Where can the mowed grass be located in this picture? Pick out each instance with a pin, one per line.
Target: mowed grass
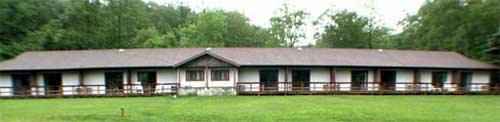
(257, 108)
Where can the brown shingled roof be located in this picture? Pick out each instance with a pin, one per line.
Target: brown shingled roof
(113, 58)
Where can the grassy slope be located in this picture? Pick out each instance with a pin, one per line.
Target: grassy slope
(255, 108)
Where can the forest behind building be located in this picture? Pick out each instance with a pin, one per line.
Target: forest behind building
(469, 27)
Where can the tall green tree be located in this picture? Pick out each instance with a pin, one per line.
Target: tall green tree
(349, 30)
(240, 33)
(287, 27)
(20, 17)
(207, 31)
(455, 25)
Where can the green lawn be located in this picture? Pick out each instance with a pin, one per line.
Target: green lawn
(256, 108)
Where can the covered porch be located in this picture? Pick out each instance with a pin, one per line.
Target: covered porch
(364, 80)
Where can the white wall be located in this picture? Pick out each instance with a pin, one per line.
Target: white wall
(404, 76)
(5, 81)
(70, 78)
(228, 83)
(248, 75)
(319, 74)
(168, 75)
(426, 77)
(480, 77)
(96, 77)
(208, 78)
(251, 74)
(343, 76)
(244, 74)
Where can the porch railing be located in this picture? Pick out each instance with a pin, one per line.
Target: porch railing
(365, 88)
(91, 90)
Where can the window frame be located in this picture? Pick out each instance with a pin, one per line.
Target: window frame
(442, 83)
(188, 78)
(224, 71)
(147, 73)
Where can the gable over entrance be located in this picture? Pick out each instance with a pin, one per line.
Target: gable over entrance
(207, 60)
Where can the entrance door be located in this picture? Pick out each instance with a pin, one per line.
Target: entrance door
(358, 80)
(388, 80)
(268, 78)
(114, 82)
(300, 78)
(465, 80)
(148, 81)
(21, 83)
(53, 83)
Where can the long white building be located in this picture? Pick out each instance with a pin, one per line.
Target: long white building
(231, 71)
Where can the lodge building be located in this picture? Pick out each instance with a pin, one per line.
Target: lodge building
(242, 71)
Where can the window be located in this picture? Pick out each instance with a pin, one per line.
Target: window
(146, 77)
(438, 79)
(114, 82)
(465, 79)
(148, 81)
(220, 75)
(195, 75)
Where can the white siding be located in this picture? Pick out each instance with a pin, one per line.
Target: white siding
(167, 76)
(320, 75)
(162, 76)
(96, 77)
(248, 75)
(208, 78)
(70, 78)
(5, 81)
(343, 75)
(245, 74)
(184, 83)
(480, 77)
(404, 76)
(251, 74)
(426, 77)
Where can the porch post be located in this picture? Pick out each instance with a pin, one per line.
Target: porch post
(32, 82)
(286, 80)
(286, 74)
(333, 70)
(129, 81)
(80, 78)
(81, 83)
(206, 76)
(455, 80)
(376, 79)
(235, 79)
(416, 80)
(206, 73)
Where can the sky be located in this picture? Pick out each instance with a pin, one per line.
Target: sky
(388, 12)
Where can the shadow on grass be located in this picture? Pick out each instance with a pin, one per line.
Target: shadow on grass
(90, 117)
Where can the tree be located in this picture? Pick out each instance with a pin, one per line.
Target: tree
(20, 17)
(207, 31)
(167, 40)
(170, 17)
(127, 16)
(288, 26)
(455, 25)
(493, 49)
(349, 30)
